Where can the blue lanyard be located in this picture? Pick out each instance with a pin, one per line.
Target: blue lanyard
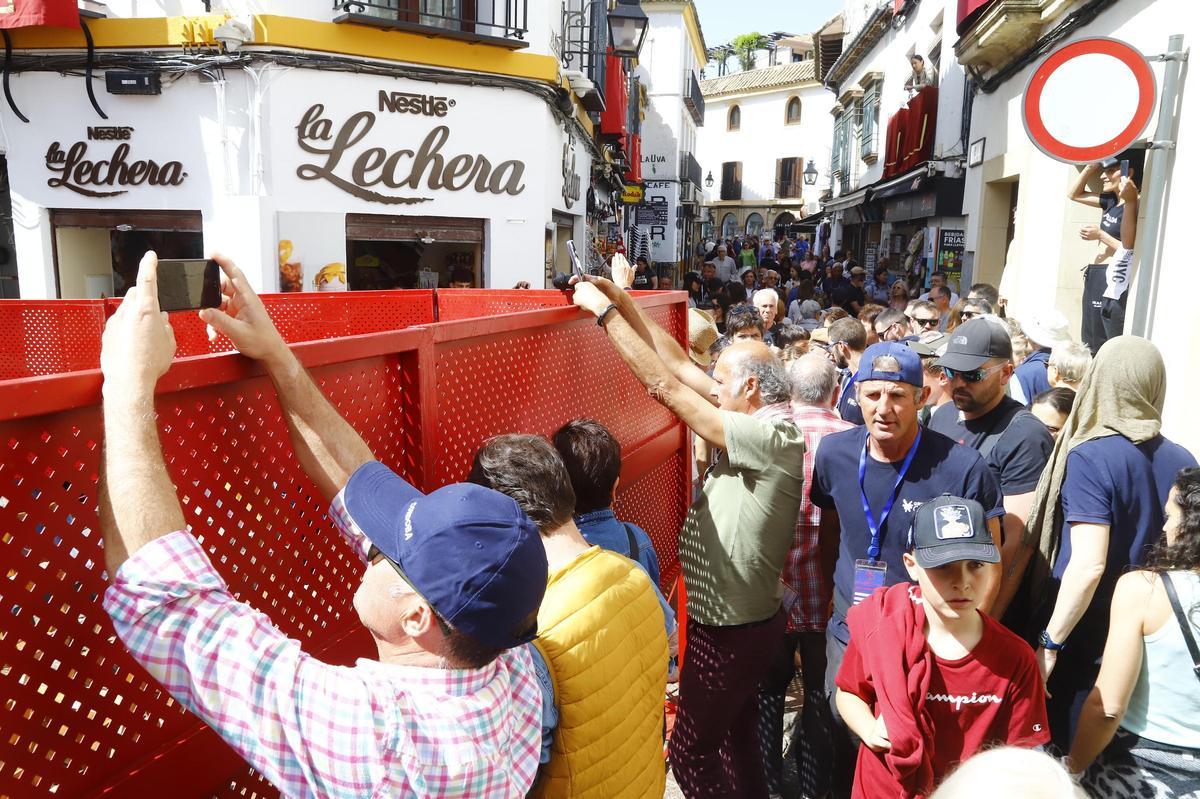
(873, 549)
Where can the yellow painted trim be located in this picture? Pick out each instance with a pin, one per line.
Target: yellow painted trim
(301, 34)
(692, 23)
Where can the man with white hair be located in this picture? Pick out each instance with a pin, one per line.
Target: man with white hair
(727, 268)
(767, 303)
(814, 399)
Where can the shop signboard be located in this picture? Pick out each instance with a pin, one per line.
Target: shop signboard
(951, 246)
(656, 215)
(632, 194)
(80, 169)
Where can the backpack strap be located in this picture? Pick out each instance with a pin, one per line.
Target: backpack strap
(634, 549)
(1184, 624)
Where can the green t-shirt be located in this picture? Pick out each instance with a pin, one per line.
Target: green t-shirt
(747, 257)
(737, 534)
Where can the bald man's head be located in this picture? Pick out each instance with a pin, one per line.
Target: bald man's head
(749, 375)
(814, 380)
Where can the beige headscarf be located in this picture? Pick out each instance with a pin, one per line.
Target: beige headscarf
(1121, 395)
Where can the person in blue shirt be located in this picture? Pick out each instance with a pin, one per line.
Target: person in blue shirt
(1097, 511)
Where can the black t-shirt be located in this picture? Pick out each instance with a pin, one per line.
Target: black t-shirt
(847, 293)
(641, 279)
(1110, 221)
(940, 466)
(1017, 456)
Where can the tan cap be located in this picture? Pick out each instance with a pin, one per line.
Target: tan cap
(819, 335)
(702, 334)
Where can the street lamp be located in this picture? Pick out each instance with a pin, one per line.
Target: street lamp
(708, 181)
(810, 174)
(627, 25)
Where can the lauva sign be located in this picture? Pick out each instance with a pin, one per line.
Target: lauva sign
(74, 170)
(344, 159)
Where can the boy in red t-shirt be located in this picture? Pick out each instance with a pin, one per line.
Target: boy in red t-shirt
(928, 679)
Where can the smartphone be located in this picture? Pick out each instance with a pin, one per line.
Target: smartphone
(575, 265)
(187, 284)
(1124, 169)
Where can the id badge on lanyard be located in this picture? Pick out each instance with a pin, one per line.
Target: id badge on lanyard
(870, 573)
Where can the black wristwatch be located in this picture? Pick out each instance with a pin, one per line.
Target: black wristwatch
(1049, 643)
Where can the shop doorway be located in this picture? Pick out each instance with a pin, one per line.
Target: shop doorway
(10, 285)
(96, 253)
(564, 231)
(408, 252)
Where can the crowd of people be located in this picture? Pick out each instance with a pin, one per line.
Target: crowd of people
(966, 536)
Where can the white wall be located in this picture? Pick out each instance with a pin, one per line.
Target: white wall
(1043, 265)
(764, 137)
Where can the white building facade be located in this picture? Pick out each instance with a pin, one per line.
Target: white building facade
(1023, 232)
(903, 201)
(765, 126)
(362, 147)
(669, 71)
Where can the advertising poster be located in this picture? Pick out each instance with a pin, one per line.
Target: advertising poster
(951, 246)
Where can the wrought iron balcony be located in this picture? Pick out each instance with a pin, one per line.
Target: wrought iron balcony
(789, 189)
(499, 22)
(693, 100)
(690, 169)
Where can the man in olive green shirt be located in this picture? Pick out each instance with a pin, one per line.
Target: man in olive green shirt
(735, 539)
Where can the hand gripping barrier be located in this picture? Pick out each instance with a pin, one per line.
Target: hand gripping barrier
(78, 718)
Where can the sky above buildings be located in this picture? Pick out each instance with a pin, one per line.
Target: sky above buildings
(721, 20)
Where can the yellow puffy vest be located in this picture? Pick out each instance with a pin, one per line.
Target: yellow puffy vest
(601, 631)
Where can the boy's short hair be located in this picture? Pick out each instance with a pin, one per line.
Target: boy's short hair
(743, 317)
(592, 456)
(530, 471)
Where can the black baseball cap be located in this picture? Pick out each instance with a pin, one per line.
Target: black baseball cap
(974, 343)
(949, 529)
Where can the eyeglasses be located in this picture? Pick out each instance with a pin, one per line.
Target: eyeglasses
(973, 376)
(373, 556)
(968, 314)
(926, 322)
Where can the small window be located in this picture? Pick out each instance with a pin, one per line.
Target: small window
(793, 111)
(735, 118)
(754, 224)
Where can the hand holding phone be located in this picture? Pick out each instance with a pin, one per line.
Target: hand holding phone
(188, 284)
(1125, 169)
(576, 267)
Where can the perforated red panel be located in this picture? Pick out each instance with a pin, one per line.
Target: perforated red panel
(78, 713)
(43, 337)
(77, 716)
(454, 304)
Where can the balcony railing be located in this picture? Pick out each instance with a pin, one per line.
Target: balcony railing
(789, 189)
(693, 100)
(690, 169)
(499, 22)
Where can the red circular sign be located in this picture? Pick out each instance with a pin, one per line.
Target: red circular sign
(1053, 146)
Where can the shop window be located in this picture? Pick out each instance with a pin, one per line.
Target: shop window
(793, 111)
(728, 226)
(735, 118)
(754, 225)
(96, 253)
(403, 252)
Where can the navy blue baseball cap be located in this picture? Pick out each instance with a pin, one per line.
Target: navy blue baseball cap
(908, 361)
(469, 551)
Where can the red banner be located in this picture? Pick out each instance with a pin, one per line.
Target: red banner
(48, 13)
(966, 13)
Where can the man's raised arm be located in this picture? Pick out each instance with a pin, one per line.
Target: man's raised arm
(622, 323)
(329, 449)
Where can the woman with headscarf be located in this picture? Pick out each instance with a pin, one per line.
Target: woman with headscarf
(1097, 510)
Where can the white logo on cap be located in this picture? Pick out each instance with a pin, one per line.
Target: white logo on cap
(911, 505)
(408, 520)
(959, 339)
(949, 522)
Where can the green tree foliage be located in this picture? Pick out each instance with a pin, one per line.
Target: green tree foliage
(744, 47)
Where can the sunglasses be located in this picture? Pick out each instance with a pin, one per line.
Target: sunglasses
(926, 322)
(973, 376)
(968, 314)
(375, 554)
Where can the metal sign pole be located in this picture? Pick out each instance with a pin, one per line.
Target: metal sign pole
(1161, 162)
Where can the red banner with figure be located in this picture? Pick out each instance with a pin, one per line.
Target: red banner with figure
(47, 13)
(966, 13)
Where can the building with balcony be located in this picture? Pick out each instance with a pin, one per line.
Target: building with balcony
(1023, 232)
(895, 170)
(766, 125)
(669, 73)
(325, 144)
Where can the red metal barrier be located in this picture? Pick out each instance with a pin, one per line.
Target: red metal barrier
(77, 716)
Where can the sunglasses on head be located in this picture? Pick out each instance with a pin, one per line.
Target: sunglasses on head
(973, 376)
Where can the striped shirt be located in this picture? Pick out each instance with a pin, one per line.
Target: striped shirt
(802, 569)
(312, 729)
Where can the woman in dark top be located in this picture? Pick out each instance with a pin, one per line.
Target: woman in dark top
(643, 277)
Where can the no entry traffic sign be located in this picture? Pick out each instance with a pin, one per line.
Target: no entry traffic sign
(1089, 100)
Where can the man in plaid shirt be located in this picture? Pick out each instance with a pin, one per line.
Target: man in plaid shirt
(807, 575)
(450, 593)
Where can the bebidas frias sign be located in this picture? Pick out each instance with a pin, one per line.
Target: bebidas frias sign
(348, 159)
(74, 170)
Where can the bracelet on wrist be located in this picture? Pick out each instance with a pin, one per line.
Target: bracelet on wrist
(1049, 643)
(612, 306)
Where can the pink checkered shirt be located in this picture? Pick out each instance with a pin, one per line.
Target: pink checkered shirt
(312, 729)
(802, 569)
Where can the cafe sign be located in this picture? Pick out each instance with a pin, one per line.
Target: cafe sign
(391, 170)
(74, 168)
